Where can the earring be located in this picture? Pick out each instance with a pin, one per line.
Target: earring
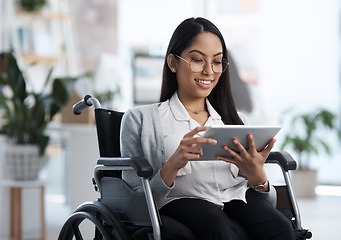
(173, 69)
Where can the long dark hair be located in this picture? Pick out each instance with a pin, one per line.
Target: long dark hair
(221, 96)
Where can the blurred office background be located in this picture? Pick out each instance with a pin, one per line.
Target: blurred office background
(286, 58)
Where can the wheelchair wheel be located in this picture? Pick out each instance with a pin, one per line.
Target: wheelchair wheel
(106, 224)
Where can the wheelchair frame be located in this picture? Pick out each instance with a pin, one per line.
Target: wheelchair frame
(144, 170)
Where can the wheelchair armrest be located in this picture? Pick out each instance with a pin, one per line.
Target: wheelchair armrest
(141, 166)
(282, 158)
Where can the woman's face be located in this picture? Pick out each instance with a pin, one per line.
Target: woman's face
(206, 46)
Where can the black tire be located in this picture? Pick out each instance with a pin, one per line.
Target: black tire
(106, 223)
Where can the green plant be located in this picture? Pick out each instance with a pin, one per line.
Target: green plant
(26, 114)
(303, 135)
(32, 5)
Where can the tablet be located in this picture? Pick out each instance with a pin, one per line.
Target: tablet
(224, 134)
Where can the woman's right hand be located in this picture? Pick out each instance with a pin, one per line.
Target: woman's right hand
(188, 149)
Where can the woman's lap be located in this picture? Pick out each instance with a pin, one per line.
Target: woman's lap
(208, 221)
(204, 219)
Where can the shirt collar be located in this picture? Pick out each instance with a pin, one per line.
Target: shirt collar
(180, 113)
(213, 113)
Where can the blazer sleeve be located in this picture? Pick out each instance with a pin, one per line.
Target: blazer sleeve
(130, 145)
(140, 137)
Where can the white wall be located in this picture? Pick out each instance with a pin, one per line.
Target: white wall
(300, 61)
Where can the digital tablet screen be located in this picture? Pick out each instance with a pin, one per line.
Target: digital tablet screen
(224, 134)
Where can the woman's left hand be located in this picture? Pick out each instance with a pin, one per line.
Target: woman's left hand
(250, 161)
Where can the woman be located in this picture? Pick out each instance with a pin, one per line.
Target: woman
(203, 195)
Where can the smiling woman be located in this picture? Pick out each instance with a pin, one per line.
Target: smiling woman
(195, 94)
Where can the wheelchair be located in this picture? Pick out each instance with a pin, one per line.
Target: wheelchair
(124, 214)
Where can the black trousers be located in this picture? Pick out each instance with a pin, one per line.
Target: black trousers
(257, 219)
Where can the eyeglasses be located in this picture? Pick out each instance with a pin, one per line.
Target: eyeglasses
(198, 65)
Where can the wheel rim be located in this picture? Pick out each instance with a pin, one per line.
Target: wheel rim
(100, 216)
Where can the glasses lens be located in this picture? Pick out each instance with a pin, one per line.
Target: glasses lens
(219, 66)
(197, 65)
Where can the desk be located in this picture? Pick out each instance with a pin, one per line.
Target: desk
(15, 210)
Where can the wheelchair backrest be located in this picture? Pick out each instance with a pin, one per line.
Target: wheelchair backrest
(108, 124)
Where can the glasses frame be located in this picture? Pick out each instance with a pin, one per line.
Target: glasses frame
(189, 64)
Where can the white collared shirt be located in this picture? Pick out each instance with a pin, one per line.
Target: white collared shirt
(215, 181)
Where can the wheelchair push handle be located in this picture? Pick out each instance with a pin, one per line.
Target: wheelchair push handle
(83, 104)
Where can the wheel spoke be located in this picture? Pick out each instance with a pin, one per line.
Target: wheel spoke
(76, 232)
